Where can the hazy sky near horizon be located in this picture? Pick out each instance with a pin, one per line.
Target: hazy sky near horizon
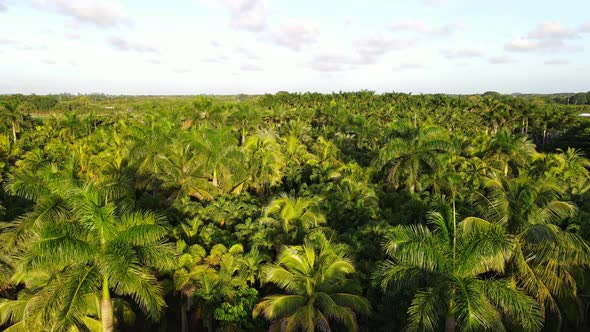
(259, 46)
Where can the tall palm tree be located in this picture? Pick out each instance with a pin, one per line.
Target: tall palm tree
(411, 152)
(10, 112)
(455, 269)
(314, 277)
(76, 228)
(493, 111)
(544, 257)
(244, 118)
(219, 152)
(25, 312)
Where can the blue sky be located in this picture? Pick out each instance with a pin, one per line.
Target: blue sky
(259, 46)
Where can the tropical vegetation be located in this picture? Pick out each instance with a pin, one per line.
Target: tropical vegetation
(350, 211)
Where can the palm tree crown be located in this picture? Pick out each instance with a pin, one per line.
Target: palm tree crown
(454, 269)
(313, 276)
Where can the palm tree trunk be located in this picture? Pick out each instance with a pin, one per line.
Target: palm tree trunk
(450, 323)
(183, 319)
(106, 307)
(210, 324)
(214, 180)
(544, 137)
(185, 309)
(14, 131)
(451, 320)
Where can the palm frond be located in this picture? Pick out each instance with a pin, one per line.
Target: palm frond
(521, 308)
(357, 303)
(474, 311)
(426, 310)
(276, 306)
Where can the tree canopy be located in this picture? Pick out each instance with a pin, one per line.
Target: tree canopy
(351, 211)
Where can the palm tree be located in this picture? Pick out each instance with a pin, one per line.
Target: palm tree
(264, 161)
(411, 152)
(455, 269)
(299, 213)
(76, 228)
(244, 118)
(220, 155)
(507, 149)
(182, 171)
(10, 112)
(493, 112)
(544, 257)
(351, 199)
(8, 152)
(314, 277)
(146, 139)
(72, 126)
(25, 312)
(297, 158)
(573, 170)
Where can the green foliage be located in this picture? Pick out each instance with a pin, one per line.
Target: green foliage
(315, 277)
(220, 207)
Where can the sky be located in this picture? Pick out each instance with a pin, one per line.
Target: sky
(265, 46)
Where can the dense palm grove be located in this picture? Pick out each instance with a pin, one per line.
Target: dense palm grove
(294, 212)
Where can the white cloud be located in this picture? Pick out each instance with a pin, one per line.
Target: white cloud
(249, 15)
(367, 51)
(373, 47)
(585, 28)
(29, 47)
(72, 36)
(215, 59)
(552, 30)
(23, 45)
(425, 28)
(466, 53)
(533, 45)
(295, 35)
(246, 52)
(332, 62)
(125, 45)
(408, 66)
(181, 70)
(547, 36)
(7, 41)
(99, 13)
(3, 6)
(251, 67)
(497, 60)
(556, 62)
